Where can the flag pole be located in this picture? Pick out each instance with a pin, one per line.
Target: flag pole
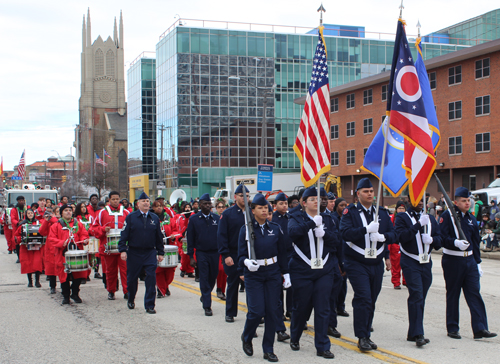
(103, 169)
(384, 151)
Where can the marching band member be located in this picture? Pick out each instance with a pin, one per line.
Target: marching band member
(220, 207)
(92, 207)
(230, 224)
(41, 208)
(180, 226)
(394, 251)
(164, 276)
(262, 276)
(312, 287)
(111, 217)
(34, 207)
(64, 201)
(126, 205)
(461, 264)
(49, 262)
(202, 237)
(31, 260)
(9, 229)
(86, 219)
(416, 245)
(363, 264)
(60, 237)
(17, 214)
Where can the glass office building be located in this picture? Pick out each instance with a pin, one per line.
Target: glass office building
(141, 114)
(216, 120)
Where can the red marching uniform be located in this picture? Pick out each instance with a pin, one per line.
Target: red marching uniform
(8, 231)
(91, 212)
(180, 227)
(49, 260)
(165, 276)
(110, 262)
(39, 213)
(395, 256)
(31, 260)
(86, 221)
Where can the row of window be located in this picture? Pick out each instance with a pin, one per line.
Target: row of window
(351, 129)
(482, 70)
(482, 108)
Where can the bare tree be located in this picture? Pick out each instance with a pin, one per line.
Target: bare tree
(103, 179)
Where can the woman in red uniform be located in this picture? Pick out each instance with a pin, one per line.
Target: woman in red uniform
(31, 260)
(181, 223)
(164, 276)
(49, 263)
(220, 207)
(83, 216)
(60, 237)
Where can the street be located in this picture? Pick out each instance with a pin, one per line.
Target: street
(36, 328)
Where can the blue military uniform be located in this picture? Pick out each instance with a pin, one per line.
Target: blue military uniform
(142, 240)
(418, 275)
(460, 269)
(340, 302)
(230, 224)
(202, 236)
(365, 274)
(312, 287)
(263, 286)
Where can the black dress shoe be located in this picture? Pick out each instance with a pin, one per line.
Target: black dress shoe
(288, 314)
(327, 354)
(183, 274)
(65, 301)
(208, 312)
(282, 336)
(364, 344)
(159, 295)
(414, 339)
(305, 327)
(197, 279)
(17, 261)
(97, 275)
(131, 305)
(37, 284)
(30, 284)
(261, 321)
(88, 279)
(371, 329)
(229, 319)
(191, 275)
(52, 291)
(247, 347)
(76, 298)
(484, 334)
(167, 293)
(343, 313)
(454, 335)
(372, 344)
(83, 281)
(420, 340)
(332, 331)
(294, 346)
(221, 295)
(10, 251)
(242, 289)
(125, 296)
(271, 357)
(150, 310)
(255, 334)
(111, 296)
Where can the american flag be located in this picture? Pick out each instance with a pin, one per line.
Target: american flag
(98, 160)
(408, 116)
(312, 145)
(106, 153)
(21, 168)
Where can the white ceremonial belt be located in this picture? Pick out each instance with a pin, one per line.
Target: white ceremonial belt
(458, 254)
(360, 250)
(267, 261)
(414, 256)
(304, 257)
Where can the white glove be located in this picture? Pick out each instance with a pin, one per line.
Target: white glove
(492, 236)
(461, 244)
(287, 283)
(424, 219)
(377, 237)
(427, 239)
(479, 270)
(372, 227)
(319, 231)
(318, 220)
(251, 265)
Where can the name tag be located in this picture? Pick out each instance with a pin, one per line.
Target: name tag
(317, 263)
(424, 258)
(370, 253)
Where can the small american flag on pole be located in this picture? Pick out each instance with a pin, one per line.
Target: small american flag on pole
(21, 168)
(106, 153)
(312, 145)
(98, 160)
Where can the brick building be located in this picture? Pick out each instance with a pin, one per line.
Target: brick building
(466, 88)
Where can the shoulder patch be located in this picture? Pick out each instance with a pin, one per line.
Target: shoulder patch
(345, 211)
(441, 220)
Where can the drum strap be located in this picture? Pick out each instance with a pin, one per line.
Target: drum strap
(65, 225)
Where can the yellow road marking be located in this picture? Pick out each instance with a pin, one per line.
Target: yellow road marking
(344, 342)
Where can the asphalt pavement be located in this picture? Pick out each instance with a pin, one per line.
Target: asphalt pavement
(36, 328)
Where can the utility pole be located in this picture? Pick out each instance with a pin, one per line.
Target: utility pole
(162, 129)
(263, 143)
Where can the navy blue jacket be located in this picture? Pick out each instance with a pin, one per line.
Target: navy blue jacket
(140, 234)
(406, 231)
(282, 221)
(296, 210)
(202, 234)
(469, 227)
(269, 245)
(340, 248)
(352, 229)
(298, 229)
(230, 224)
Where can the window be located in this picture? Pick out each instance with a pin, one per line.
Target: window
(482, 105)
(364, 152)
(472, 182)
(351, 129)
(334, 106)
(367, 97)
(432, 80)
(483, 68)
(351, 157)
(335, 158)
(455, 145)
(335, 132)
(455, 110)
(384, 92)
(482, 142)
(350, 101)
(368, 126)
(454, 75)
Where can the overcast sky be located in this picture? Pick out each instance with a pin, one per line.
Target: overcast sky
(41, 45)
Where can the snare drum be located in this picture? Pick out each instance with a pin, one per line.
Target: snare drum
(31, 236)
(93, 246)
(113, 237)
(170, 257)
(184, 245)
(76, 261)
